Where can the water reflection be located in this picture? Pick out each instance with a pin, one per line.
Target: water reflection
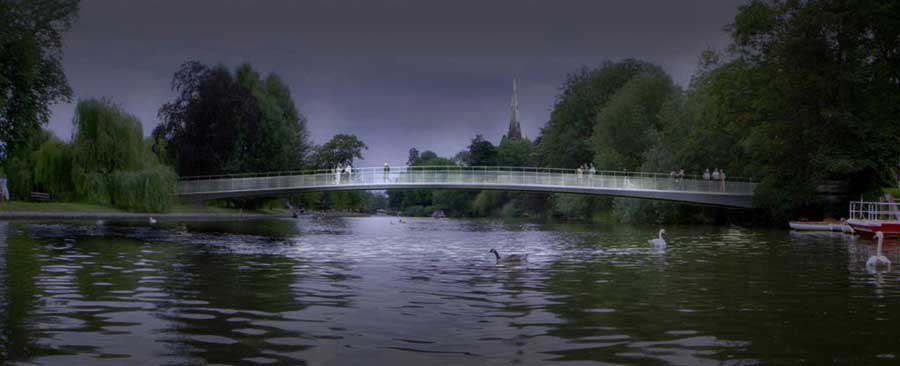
(363, 290)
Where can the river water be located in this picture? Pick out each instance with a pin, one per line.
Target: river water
(371, 290)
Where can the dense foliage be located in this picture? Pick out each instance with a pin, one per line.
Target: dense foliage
(565, 140)
(31, 72)
(224, 122)
(808, 93)
(481, 152)
(627, 125)
(106, 163)
(111, 165)
(341, 150)
(813, 88)
(53, 168)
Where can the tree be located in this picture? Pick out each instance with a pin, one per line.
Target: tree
(341, 149)
(627, 125)
(53, 168)
(413, 156)
(565, 140)
(106, 138)
(517, 152)
(31, 72)
(283, 142)
(426, 158)
(111, 165)
(810, 94)
(212, 122)
(231, 123)
(20, 166)
(461, 158)
(482, 152)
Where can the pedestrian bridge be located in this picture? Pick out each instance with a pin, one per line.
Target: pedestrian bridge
(658, 186)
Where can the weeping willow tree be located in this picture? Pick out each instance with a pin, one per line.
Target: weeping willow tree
(110, 163)
(53, 168)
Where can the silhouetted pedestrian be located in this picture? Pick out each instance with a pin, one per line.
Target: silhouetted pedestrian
(722, 178)
(4, 190)
(706, 177)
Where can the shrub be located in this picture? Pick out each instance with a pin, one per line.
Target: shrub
(149, 190)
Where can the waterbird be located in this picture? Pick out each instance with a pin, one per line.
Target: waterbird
(152, 221)
(878, 260)
(659, 242)
(511, 259)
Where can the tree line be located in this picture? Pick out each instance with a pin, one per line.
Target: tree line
(221, 121)
(806, 93)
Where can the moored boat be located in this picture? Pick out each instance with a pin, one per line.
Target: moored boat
(820, 226)
(867, 218)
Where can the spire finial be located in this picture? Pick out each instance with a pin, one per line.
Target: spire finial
(515, 131)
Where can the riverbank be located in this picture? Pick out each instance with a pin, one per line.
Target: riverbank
(82, 211)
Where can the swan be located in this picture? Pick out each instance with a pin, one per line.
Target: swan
(659, 242)
(511, 259)
(152, 221)
(878, 260)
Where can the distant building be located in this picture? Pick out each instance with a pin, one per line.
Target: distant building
(515, 130)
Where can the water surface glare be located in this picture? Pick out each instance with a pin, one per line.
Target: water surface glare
(376, 291)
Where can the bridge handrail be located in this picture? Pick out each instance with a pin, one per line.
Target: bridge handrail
(437, 168)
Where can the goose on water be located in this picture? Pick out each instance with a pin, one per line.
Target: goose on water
(659, 242)
(512, 258)
(878, 260)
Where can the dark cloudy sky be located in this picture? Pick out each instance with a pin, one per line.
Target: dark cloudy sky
(397, 73)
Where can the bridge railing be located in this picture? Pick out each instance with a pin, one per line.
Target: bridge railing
(457, 175)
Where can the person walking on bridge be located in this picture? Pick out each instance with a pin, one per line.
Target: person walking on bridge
(4, 190)
(706, 178)
(349, 170)
(337, 173)
(387, 172)
(722, 177)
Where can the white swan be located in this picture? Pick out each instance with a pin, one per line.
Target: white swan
(510, 259)
(152, 221)
(659, 242)
(878, 260)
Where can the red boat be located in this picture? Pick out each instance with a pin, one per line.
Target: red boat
(867, 218)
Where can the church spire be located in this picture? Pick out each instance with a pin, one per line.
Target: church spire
(515, 130)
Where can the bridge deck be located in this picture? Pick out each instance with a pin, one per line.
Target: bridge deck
(638, 185)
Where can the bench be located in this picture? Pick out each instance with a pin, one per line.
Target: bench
(40, 196)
